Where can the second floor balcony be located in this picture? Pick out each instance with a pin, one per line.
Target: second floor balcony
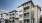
(26, 16)
(28, 10)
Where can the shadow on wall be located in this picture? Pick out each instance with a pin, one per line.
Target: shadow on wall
(41, 19)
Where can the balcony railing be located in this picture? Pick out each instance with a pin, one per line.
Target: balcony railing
(25, 11)
(26, 21)
(27, 16)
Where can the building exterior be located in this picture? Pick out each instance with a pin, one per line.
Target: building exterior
(12, 16)
(4, 17)
(29, 13)
(17, 17)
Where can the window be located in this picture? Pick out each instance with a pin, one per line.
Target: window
(26, 8)
(10, 21)
(12, 17)
(13, 21)
(20, 16)
(1, 16)
(26, 15)
(13, 14)
(26, 21)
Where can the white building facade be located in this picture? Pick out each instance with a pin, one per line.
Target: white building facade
(29, 13)
(13, 16)
(4, 17)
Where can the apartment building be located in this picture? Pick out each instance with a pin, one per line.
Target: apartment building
(12, 16)
(16, 17)
(29, 13)
(4, 18)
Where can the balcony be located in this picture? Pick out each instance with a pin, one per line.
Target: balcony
(25, 11)
(26, 16)
(26, 21)
(12, 16)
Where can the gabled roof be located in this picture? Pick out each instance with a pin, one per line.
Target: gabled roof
(26, 3)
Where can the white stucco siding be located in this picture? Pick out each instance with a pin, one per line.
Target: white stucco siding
(38, 13)
(4, 16)
(35, 14)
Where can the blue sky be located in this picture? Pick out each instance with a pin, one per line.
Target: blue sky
(9, 5)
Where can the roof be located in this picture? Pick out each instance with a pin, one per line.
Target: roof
(26, 3)
(38, 7)
(4, 13)
(13, 11)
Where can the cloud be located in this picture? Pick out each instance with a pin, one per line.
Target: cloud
(3, 11)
